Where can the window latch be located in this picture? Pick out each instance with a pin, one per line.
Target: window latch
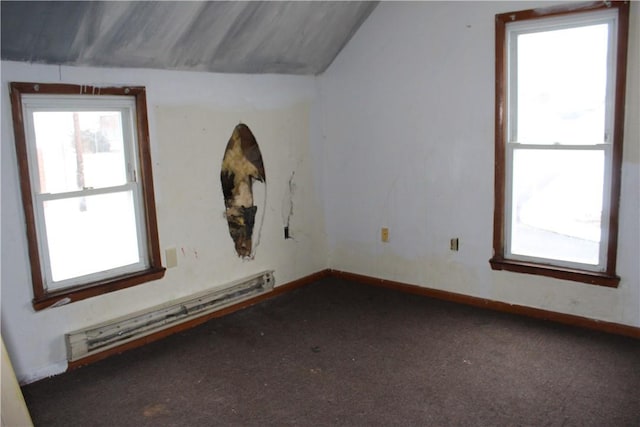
(132, 173)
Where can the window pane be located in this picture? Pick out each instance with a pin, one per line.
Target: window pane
(91, 234)
(77, 150)
(561, 86)
(557, 204)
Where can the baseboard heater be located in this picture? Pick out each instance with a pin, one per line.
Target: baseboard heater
(127, 328)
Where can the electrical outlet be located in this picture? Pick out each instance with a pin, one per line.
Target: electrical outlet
(384, 234)
(172, 257)
(454, 244)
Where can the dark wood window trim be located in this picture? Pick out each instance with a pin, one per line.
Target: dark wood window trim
(41, 297)
(498, 261)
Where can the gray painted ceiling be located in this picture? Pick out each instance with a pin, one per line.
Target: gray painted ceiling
(229, 37)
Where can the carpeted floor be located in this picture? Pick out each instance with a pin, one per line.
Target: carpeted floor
(340, 353)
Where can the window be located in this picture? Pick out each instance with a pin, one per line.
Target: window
(560, 86)
(87, 190)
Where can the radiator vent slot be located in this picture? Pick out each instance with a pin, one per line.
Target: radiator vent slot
(85, 342)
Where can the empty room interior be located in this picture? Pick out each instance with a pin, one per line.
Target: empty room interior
(320, 213)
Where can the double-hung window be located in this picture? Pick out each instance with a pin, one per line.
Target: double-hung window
(560, 84)
(86, 185)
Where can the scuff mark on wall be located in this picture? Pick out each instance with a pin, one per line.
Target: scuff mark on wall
(241, 166)
(287, 207)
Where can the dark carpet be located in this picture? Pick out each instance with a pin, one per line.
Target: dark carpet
(341, 353)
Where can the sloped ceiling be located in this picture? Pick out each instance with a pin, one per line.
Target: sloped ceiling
(229, 37)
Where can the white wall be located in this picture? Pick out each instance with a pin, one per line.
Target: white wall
(191, 117)
(408, 112)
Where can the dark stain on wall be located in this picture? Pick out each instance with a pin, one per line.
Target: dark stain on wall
(241, 166)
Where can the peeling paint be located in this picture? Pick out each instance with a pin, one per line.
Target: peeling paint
(241, 166)
(60, 303)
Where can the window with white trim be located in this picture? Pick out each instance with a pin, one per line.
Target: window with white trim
(87, 190)
(559, 119)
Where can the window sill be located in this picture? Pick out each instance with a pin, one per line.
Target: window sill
(575, 275)
(77, 293)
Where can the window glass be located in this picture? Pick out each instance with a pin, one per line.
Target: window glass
(557, 204)
(87, 235)
(79, 149)
(561, 85)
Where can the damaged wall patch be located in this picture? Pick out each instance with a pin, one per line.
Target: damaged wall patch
(241, 166)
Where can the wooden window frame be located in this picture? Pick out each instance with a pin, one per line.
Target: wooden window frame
(43, 298)
(607, 277)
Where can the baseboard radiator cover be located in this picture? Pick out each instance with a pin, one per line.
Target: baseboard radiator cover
(115, 332)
